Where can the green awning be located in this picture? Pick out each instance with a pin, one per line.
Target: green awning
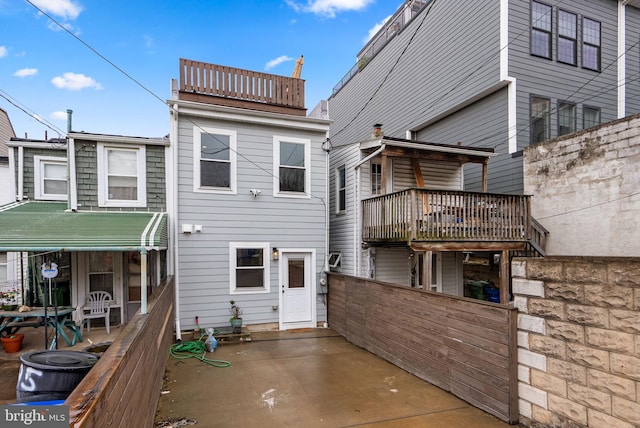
(50, 226)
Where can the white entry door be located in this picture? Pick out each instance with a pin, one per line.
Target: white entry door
(297, 289)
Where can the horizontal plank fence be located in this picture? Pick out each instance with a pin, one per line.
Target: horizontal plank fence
(466, 347)
(123, 388)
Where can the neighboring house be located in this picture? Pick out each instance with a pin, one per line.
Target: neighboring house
(595, 175)
(399, 214)
(250, 191)
(96, 206)
(8, 268)
(497, 73)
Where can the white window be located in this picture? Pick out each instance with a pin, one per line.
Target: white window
(341, 190)
(121, 176)
(50, 178)
(291, 164)
(3, 270)
(249, 267)
(214, 160)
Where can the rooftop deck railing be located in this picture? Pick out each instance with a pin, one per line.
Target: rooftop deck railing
(437, 215)
(238, 84)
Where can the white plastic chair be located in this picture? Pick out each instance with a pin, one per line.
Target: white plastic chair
(97, 305)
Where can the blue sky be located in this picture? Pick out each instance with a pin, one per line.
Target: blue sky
(46, 70)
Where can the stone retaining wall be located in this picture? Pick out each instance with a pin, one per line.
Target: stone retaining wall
(578, 341)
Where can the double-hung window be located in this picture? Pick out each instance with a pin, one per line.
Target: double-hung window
(341, 189)
(249, 267)
(566, 118)
(214, 160)
(541, 26)
(540, 124)
(591, 44)
(50, 178)
(291, 164)
(567, 37)
(121, 176)
(590, 116)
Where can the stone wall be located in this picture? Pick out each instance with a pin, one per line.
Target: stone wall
(585, 190)
(578, 341)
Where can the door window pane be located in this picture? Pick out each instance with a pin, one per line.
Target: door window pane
(296, 273)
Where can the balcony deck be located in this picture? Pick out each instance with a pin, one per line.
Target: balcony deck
(415, 215)
(235, 87)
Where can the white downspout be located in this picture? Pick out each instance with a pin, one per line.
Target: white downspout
(172, 202)
(73, 190)
(20, 194)
(12, 173)
(622, 58)
(143, 282)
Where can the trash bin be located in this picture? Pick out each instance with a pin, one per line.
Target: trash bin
(492, 293)
(476, 289)
(51, 375)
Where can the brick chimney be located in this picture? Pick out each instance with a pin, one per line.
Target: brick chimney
(377, 131)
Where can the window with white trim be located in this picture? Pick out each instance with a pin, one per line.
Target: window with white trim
(291, 164)
(3, 270)
(214, 160)
(50, 178)
(341, 189)
(249, 267)
(121, 176)
(541, 27)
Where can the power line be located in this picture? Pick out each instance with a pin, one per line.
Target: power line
(589, 207)
(31, 114)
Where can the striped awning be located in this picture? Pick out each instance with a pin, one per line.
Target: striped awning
(50, 226)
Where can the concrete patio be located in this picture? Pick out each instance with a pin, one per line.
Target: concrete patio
(311, 378)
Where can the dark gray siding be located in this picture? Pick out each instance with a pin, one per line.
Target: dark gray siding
(445, 62)
(28, 175)
(562, 82)
(87, 178)
(633, 61)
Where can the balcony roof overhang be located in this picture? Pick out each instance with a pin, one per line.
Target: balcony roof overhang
(409, 148)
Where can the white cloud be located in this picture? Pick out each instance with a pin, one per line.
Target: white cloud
(66, 9)
(148, 41)
(26, 72)
(328, 8)
(375, 29)
(3, 51)
(277, 61)
(58, 115)
(75, 82)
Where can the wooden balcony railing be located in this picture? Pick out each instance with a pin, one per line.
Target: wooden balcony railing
(240, 86)
(435, 215)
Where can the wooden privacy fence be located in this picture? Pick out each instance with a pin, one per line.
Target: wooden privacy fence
(123, 388)
(463, 346)
(235, 83)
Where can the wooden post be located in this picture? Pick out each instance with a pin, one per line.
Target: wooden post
(383, 174)
(504, 277)
(426, 269)
(485, 166)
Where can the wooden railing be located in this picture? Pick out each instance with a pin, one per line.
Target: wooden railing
(436, 215)
(235, 83)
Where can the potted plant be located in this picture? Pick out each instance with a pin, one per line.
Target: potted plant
(236, 317)
(12, 342)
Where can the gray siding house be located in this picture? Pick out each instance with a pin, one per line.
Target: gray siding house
(95, 205)
(250, 195)
(498, 73)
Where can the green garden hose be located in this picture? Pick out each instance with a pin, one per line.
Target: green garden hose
(194, 349)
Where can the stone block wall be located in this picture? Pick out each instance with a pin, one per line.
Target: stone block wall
(578, 341)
